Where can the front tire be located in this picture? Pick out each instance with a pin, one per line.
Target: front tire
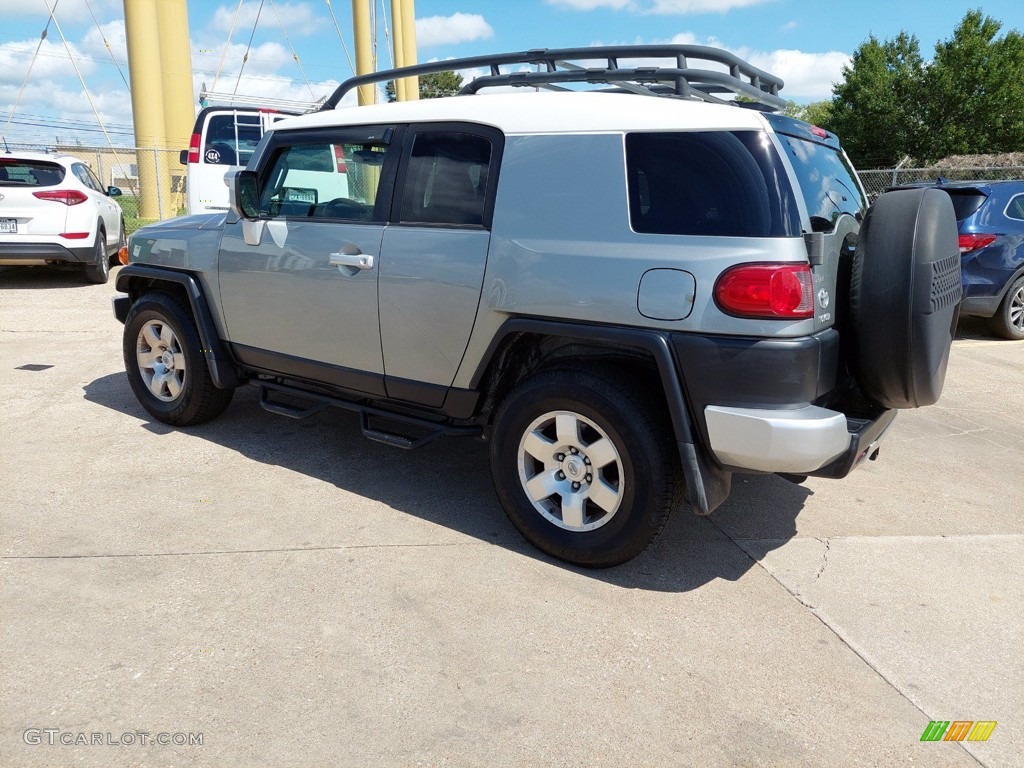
(584, 467)
(165, 363)
(99, 271)
(1008, 320)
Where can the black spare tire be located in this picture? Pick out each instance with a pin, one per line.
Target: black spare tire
(905, 297)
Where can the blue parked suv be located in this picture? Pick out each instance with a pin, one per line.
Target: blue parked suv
(990, 220)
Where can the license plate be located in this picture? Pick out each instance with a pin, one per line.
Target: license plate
(9, 226)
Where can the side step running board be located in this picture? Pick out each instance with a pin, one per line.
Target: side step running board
(312, 403)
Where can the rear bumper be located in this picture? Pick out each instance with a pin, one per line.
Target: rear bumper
(41, 253)
(980, 306)
(764, 405)
(797, 441)
(801, 441)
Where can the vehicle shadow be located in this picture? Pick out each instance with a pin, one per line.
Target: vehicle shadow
(51, 276)
(448, 483)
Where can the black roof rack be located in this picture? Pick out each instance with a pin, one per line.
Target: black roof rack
(559, 66)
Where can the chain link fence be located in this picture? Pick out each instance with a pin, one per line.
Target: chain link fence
(877, 181)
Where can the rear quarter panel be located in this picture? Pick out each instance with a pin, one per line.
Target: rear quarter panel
(562, 248)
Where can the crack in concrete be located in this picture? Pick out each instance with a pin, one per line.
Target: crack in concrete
(835, 632)
(824, 557)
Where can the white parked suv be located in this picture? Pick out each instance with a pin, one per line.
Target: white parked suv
(53, 210)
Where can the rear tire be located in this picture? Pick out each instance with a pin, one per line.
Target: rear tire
(1008, 320)
(99, 271)
(166, 367)
(584, 466)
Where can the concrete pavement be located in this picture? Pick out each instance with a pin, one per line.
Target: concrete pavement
(298, 596)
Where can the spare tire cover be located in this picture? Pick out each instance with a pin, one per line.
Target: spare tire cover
(905, 297)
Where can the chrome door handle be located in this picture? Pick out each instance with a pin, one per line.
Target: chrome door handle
(357, 260)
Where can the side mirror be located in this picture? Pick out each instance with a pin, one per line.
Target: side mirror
(113, 192)
(244, 197)
(183, 157)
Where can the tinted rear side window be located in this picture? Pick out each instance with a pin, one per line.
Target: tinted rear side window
(232, 138)
(716, 183)
(447, 179)
(827, 182)
(966, 202)
(1015, 209)
(30, 173)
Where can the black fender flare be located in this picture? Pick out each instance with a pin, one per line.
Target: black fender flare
(223, 369)
(707, 485)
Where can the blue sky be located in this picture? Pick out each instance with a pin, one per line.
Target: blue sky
(806, 43)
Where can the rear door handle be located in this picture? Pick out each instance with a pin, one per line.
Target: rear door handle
(357, 260)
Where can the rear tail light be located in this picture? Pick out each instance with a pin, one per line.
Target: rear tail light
(66, 196)
(74, 235)
(972, 242)
(193, 148)
(339, 158)
(776, 291)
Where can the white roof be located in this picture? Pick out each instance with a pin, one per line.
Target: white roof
(545, 112)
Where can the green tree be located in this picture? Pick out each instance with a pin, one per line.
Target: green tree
(974, 91)
(432, 86)
(876, 108)
(815, 113)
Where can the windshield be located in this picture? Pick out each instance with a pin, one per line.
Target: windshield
(827, 182)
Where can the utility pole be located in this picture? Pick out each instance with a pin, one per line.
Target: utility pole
(412, 84)
(364, 56)
(397, 36)
(160, 66)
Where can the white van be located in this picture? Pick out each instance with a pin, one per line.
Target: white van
(223, 140)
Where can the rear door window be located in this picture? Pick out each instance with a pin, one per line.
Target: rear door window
(84, 176)
(717, 183)
(966, 202)
(231, 138)
(30, 173)
(446, 180)
(1015, 208)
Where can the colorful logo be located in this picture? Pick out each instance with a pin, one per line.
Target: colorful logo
(958, 730)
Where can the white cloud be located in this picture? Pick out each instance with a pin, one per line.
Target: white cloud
(297, 18)
(114, 34)
(807, 76)
(67, 10)
(52, 61)
(449, 30)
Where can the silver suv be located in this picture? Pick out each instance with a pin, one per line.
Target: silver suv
(631, 292)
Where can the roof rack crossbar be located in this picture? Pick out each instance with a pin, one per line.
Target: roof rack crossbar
(559, 65)
(699, 83)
